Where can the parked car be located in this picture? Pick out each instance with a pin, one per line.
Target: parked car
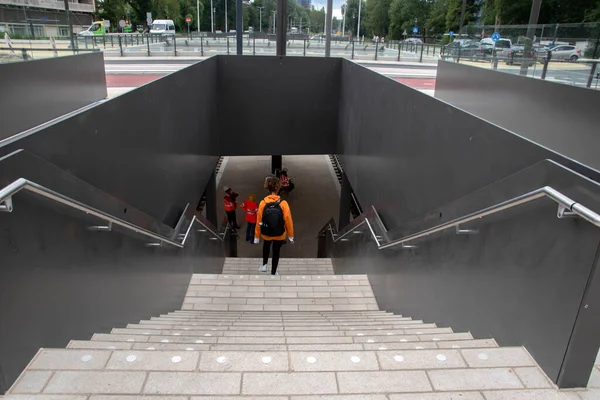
(413, 41)
(500, 47)
(516, 55)
(565, 52)
(473, 51)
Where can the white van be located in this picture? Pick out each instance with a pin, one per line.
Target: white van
(163, 26)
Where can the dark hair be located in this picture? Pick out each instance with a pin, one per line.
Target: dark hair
(272, 184)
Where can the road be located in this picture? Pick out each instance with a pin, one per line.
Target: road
(124, 74)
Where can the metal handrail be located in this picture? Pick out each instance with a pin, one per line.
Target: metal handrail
(567, 207)
(6, 204)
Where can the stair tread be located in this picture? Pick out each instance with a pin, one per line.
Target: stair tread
(289, 337)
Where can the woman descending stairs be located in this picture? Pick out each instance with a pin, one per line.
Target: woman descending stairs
(305, 334)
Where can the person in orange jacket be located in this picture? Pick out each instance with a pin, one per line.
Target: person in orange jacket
(251, 209)
(273, 223)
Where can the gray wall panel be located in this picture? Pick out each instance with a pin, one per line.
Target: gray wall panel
(407, 153)
(560, 117)
(59, 281)
(153, 147)
(278, 106)
(33, 92)
(521, 280)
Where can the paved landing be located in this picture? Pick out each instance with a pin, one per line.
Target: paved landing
(314, 201)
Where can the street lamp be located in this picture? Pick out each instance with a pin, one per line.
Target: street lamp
(212, 14)
(358, 29)
(274, 13)
(226, 26)
(260, 18)
(198, 11)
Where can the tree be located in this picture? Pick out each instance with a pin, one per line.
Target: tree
(112, 10)
(377, 18)
(352, 17)
(407, 14)
(453, 15)
(436, 22)
(593, 14)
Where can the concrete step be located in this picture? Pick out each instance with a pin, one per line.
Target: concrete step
(389, 337)
(279, 333)
(247, 373)
(196, 326)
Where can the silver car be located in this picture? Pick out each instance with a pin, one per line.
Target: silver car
(565, 52)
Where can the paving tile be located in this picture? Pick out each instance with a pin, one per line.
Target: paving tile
(109, 337)
(465, 344)
(286, 307)
(153, 360)
(398, 346)
(308, 340)
(529, 395)
(438, 396)
(334, 361)
(498, 357)
(107, 382)
(248, 347)
(446, 336)
(264, 361)
(289, 383)
(590, 394)
(594, 381)
(325, 347)
(238, 398)
(474, 379)
(219, 307)
(172, 346)
(193, 383)
(31, 382)
(121, 397)
(340, 397)
(42, 397)
(251, 340)
(420, 359)
(58, 359)
(85, 344)
(383, 382)
(248, 307)
(533, 378)
(271, 333)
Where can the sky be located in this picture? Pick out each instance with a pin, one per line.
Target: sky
(337, 6)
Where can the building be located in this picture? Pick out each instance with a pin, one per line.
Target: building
(304, 3)
(44, 18)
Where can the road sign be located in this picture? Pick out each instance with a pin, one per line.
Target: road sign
(188, 19)
(415, 30)
(121, 23)
(496, 36)
(149, 18)
(451, 33)
(404, 33)
(43, 20)
(107, 23)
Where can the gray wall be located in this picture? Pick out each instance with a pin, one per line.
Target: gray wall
(560, 117)
(422, 162)
(153, 148)
(59, 281)
(33, 92)
(520, 280)
(279, 106)
(407, 153)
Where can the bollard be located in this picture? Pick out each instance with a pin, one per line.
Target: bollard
(376, 48)
(398, 52)
(104, 39)
(227, 46)
(112, 44)
(201, 47)
(175, 44)
(148, 39)
(304, 53)
(458, 58)
(421, 57)
(352, 49)
(24, 54)
(253, 46)
(120, 46)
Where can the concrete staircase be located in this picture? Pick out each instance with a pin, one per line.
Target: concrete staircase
(288, 337)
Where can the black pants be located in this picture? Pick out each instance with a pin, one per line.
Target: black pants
(276, 250)
(232, 219)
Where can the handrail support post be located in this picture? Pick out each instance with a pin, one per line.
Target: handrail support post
(6, 205)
